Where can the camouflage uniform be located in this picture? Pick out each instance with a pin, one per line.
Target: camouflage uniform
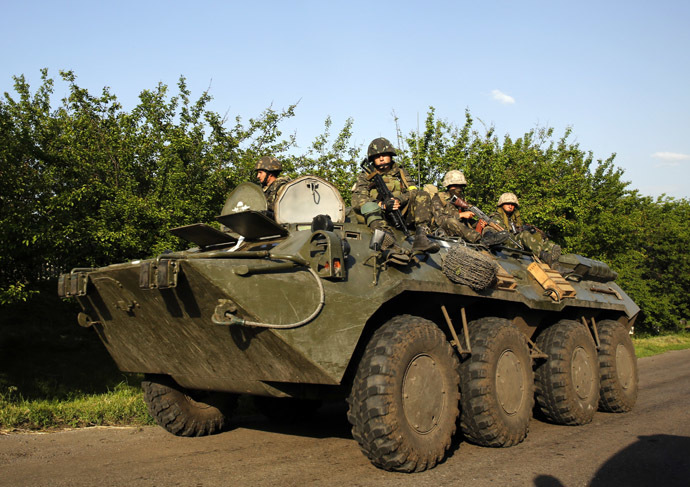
(415, 204)
(271, 165)
(446, 217)
(528, 236)
(271, 191)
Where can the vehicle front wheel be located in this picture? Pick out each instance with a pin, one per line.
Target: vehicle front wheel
(405, 396)
(183, 412)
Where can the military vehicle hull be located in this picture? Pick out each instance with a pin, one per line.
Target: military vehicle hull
(304, 313)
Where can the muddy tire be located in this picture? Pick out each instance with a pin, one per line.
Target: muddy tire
(280, 409)
(405, 396)
(496, 384)
(617, 368)
(183, 412)
(567, 384)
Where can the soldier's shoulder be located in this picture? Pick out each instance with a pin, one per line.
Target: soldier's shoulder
(280, 182)
(431, 189)
(361, 179)
(404, 175)
(401, 171)
(442, 197)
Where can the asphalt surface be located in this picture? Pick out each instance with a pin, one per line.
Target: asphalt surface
(648, 446)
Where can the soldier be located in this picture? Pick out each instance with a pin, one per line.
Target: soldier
(414, 204)
(268, 170)
(508, 216)
(448, 217)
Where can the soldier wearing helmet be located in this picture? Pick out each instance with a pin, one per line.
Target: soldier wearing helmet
(414, 204)
(268, 170)
(507, 215)
(448, 217)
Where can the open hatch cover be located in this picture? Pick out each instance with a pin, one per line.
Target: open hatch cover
(252, 225)
(203, 235)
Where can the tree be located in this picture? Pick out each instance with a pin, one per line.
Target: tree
(90, 184)
(583, 204)
(337, 162)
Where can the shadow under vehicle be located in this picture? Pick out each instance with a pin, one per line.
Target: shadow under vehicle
(311, 306)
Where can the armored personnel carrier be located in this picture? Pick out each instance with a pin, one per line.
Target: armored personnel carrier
(312, 305)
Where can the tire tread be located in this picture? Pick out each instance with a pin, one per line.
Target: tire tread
(481, 420)
(372, 401)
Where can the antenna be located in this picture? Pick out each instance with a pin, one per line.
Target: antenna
(419, 162)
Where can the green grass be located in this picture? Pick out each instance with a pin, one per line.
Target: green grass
(654, 345)
(122, 406)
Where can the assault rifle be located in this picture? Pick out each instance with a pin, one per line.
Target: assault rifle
(385, 195)
(533, 229)
(465, 206)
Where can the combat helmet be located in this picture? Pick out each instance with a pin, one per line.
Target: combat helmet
(268, 164)
(454, 177)
(380, 146)
(508, 198)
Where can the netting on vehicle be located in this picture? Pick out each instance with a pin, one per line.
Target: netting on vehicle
(465, 265)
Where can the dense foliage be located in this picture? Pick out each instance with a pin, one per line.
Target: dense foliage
(88, 183)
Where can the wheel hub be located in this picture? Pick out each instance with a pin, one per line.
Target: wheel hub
(510, 387)
(581, 373)
(423, 393)
(624, 366)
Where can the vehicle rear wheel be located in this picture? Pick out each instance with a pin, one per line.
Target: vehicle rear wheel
(405, 396)
(497, 384)
(567, 385)
(617, 368)
(183, 412)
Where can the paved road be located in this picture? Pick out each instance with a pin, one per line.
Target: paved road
(649, 446)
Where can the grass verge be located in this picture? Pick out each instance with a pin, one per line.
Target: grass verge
(122, 406)
(646, 346)
(55, 374)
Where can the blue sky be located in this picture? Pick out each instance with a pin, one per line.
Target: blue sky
(617, 72)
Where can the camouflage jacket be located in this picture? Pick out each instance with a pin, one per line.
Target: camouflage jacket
(512, 222)
(271, 191)
(396, 179)
(447, 218)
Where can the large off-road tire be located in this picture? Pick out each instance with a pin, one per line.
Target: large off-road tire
(496, 384)
(281, 409)
(405, 396)
(617, 368)
(183, 412)
(567, 384)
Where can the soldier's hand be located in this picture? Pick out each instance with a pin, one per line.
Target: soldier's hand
(466, 215)
(392, 204)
